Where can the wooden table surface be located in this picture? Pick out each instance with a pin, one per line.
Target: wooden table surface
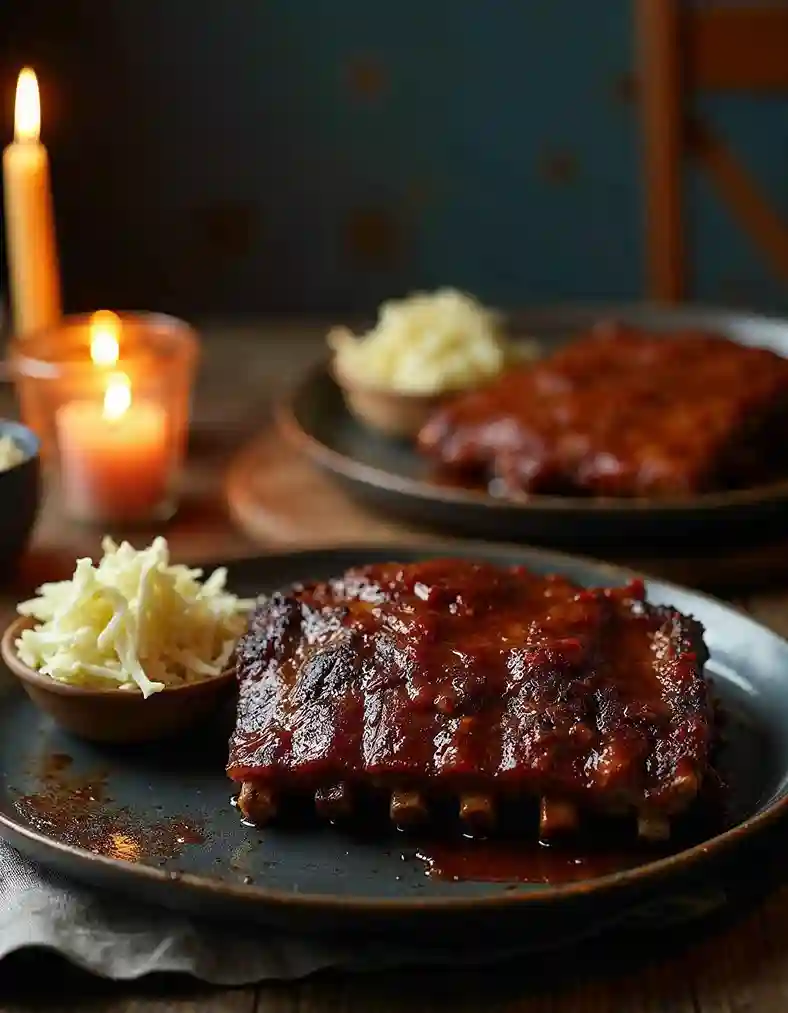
(739, 965)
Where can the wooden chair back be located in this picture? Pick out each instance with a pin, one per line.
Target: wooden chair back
(684, 48)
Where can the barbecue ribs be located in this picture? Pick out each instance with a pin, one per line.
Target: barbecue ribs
(621, 413)
(454, 681)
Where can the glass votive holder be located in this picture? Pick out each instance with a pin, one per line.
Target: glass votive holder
(108, 395)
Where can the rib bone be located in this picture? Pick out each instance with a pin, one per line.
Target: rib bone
(653, 828)
(477, 812)
(557, 816)
(407, 808)
(334, 803)
(684, 787)
(257, 803)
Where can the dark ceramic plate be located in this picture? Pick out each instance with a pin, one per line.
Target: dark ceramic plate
(157, 823)
(391, 477)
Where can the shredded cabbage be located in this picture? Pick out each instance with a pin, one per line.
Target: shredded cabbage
(135, 621)
(11, 453)
(427, 343)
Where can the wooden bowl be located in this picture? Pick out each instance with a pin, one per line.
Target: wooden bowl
(115, 715)
(389, 412)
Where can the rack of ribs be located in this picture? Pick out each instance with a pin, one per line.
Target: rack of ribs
(451, 682)
(621, 413)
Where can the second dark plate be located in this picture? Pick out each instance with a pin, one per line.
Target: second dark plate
(392, 478)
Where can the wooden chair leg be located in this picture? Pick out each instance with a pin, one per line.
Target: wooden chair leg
(662, 116)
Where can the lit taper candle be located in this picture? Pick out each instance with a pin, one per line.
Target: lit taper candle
(33, 269)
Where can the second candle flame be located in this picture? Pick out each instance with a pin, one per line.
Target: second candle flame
(117, 397)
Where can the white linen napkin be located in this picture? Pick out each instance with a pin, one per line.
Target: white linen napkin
(110, 936)
(113, 937)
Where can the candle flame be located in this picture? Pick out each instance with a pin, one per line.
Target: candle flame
(117, 397)
(27, 108)
(104, 343)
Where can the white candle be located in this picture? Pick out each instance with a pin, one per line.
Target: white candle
(33, 269)
(114, 459)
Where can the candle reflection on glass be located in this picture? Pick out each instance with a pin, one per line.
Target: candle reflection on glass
(105, 338)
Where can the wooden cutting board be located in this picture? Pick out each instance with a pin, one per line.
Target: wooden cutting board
(279, 498)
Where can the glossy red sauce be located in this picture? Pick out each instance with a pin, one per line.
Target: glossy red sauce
(507, 862)
(604, 847)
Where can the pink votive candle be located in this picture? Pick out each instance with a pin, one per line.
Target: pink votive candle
(114, 457)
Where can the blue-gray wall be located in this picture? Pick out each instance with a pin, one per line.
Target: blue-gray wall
(309, 154)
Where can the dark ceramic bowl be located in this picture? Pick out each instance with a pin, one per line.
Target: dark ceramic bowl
(20, 493)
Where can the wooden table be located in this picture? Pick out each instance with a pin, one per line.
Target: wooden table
(742, 965)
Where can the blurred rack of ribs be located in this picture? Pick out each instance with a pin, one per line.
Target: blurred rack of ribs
(482, 687)
(619, 412)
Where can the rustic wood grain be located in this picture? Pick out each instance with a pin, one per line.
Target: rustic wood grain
(745, 968)
(276, 496)
(512, 990)
(113, 1000)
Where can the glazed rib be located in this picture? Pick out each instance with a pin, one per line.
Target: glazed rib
(453, 681)
(622, 413)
